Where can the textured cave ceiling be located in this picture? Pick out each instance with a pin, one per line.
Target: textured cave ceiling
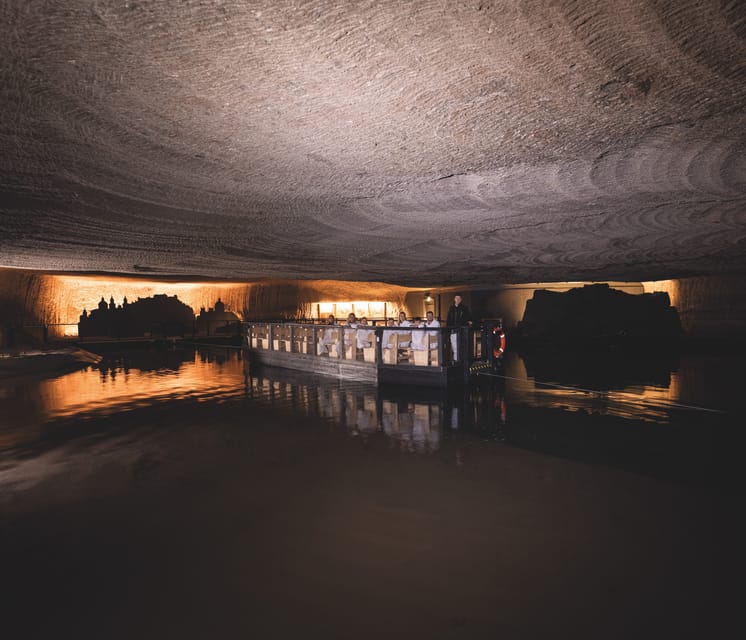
(415, 142)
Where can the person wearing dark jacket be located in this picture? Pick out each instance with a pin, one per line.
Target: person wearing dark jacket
(458, 316)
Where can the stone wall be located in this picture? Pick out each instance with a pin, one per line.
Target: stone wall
(598, 312)
(708, 306)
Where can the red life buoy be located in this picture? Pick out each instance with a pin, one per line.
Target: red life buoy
(499, 342)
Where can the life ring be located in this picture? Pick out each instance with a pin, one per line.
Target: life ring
(499, 342)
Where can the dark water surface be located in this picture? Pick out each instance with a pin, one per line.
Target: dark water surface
(187, 494)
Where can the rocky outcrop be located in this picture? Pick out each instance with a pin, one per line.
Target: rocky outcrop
(597, 315)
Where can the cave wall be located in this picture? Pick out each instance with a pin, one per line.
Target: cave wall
(32, 303)
(509, 302)
(709, 307)
(26, 308)
(293, 299)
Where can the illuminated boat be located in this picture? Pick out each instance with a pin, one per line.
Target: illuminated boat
(376, 354)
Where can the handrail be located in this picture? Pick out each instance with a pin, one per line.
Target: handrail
(312, 339)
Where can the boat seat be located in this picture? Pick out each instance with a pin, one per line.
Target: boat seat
(369, 352)
(388, 355)
(350, 343)
(403, 354)
(433, 343)
(330, 341)
(281, 344)
(420, 357)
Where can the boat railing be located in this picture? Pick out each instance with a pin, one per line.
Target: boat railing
(381, 345)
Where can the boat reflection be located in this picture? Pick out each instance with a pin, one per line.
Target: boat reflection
(543, 411)
(412, 424)
(609, 427)
(412, 419)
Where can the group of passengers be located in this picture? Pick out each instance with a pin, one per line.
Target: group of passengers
(357, 332)
(419, 340)
(360, 333)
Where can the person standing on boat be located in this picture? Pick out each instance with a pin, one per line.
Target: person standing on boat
(458, 316)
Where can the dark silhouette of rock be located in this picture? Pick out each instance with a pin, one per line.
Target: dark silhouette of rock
(597, 315)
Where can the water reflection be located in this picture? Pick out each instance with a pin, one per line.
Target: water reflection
(645, 390)
(140, 378)
(529, 404)
(413, 423)
(609, 383)
(641, 428)
(303, 497)
(120, 382)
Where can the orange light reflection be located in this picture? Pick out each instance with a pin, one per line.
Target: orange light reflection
(112, 389)
(649, 403)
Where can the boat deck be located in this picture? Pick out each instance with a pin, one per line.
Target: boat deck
(374, 354)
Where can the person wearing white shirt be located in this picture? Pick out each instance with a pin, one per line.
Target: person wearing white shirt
(388, 334)
(419, 338)
(363, 332)
(350, 331)
(328, 337)
(403, 322)
(430, 321)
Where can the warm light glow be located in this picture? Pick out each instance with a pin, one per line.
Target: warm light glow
(76, 293)
(369, 308)
(650, 403)
(671, 287)
(109, 390)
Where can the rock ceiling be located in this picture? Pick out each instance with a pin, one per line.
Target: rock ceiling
(414, 142)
